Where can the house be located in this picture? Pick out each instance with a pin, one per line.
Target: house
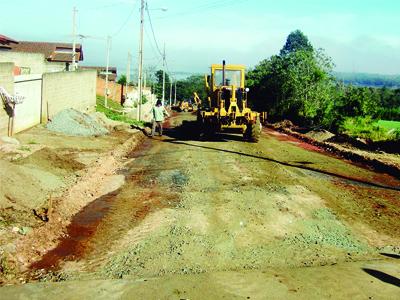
(101, 72)
(39, 57)
(5, 42)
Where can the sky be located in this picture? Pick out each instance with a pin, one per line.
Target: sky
(359, 35)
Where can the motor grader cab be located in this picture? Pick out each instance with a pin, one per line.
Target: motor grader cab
(226, 104)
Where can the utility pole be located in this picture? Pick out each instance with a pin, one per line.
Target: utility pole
(170, 92)
(128, 74)
(141, 58)
(175, 93)
(107, 67)
(163, 78)
(74, 11)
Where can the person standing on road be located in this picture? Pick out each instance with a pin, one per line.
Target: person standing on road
(159, 112)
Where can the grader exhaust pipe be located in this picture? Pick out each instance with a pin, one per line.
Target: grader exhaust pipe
(223, 72)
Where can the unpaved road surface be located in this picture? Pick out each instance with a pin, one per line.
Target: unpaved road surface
(229, 219)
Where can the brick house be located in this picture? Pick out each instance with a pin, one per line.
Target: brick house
(101, 72)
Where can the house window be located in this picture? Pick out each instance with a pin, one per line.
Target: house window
(64, 50)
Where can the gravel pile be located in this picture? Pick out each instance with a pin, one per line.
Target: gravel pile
(73, 122)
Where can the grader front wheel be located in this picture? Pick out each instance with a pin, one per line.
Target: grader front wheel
(253, 131)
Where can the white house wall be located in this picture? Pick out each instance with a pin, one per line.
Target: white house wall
(31, 63)
(27, 114)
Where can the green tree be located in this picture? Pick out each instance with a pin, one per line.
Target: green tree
(158, 87)
(296, 41)
(185, 88)
(294, 85)
(122, 82)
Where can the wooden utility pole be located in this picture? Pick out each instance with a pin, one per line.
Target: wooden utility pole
(107, 67)
(163, 78)
(141, 59)
(175, 93)
(170, 91)
(74, 11)
(128, 73)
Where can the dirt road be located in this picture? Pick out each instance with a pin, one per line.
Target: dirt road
(225, 218)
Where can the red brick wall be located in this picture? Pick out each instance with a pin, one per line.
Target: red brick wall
(114, 88)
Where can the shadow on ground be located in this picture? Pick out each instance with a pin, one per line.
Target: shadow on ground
(383, 277)
(188, 131)
(391, 255)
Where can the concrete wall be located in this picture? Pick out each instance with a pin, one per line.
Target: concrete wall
(68, 90)
(31, 63)
(7, 82)
(27, 113)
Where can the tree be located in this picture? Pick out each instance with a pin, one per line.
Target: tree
(294, 85)
(296, 41)
(185, 88)
(122, 82)
(158, 87)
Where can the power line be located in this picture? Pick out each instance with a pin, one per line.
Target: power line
(152, 30)
(205, 7)
(150, 40)
(126, 21)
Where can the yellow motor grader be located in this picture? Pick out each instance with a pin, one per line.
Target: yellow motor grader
(226, 104)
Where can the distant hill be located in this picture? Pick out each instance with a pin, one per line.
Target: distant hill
(369, 80)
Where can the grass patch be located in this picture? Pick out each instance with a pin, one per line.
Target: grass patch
(389, 125)
(115, 115)
(100, 100)
(24, 148)
(370, 129)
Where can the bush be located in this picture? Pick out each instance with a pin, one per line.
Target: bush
(365, 128)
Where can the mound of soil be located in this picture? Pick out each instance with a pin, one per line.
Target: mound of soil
(284, 124)
(48, 160)
(320, 135)
(75, 123)
(24, 188)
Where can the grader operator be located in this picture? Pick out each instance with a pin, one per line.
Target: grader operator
(226, 104)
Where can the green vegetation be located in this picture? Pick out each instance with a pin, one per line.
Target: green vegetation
(100, 100)
(368, 128)
(364, 128)
(294, 85)
(114, 112)
(158, 86)
(24, 148)
(185, 88)
(389, 125)
(298, 84)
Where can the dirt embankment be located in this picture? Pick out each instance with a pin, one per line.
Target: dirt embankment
(345, 147)
(46, 178)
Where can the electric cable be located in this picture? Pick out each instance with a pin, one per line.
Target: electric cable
(126, 21)
(152, 30)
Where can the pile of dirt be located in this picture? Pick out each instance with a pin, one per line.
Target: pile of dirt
(24, 188)
(320, 135)
(49, 161)
(284, 124)
(75, 123)
(111, 125)
(349, 148)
